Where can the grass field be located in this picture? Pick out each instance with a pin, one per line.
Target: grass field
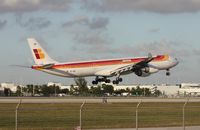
(97, 115)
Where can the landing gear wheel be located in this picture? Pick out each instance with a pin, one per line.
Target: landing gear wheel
(94, 82)
(103, 79)
(115, 82)
(120, 79)
(167, 73)
(107, 81)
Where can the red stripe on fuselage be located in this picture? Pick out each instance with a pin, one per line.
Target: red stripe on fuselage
(105, 62)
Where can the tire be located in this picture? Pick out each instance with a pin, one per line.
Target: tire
(107, 81)
(117, 82)
(94, 82)
(120, 79)
(114, 82)
(167, 73)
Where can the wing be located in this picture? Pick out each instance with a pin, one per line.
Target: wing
(113, 71)
(142, 64)
(127, 68)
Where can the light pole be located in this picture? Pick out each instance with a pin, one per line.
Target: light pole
(184, 113)
(16, 115)
(136, 115)
(81, 115)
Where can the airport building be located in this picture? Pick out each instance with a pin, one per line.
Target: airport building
(10, 86)
(1, 91)
(169, 90)
(54, 84)
(189, 89)
(6, 89)
(58, 84)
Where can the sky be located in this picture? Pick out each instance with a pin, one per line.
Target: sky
(74, 30)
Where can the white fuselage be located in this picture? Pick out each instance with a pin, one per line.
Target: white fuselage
(104, 67)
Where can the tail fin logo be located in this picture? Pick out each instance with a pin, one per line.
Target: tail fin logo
(38, 54)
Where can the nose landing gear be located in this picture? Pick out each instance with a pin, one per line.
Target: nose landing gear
(167, 73)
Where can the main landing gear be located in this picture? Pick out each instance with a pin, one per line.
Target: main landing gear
(104, 79)
(167, 73)
(118, 79)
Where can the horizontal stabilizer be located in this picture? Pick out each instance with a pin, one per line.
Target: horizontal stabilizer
(47, 66)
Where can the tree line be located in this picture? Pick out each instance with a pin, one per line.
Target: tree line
(81, 89)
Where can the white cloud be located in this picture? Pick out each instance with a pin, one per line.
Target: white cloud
(23, 6)
(34, 23)
(88, 31)
(154, 30)
(156, 47)
(3, 24)
(15, 2)
(95, 23)
(196, 51)
(156, 6)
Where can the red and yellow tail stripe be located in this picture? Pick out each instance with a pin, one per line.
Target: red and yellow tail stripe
(38, 54)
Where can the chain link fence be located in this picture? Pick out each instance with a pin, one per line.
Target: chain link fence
(71, 116)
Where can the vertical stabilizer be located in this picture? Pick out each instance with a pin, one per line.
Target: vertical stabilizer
(39, 54)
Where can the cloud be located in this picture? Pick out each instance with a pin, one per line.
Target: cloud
(196, 52)
(88, 31)
(154, 30)
(23, 6)
(33, 23)
(3, 24)
(100, 22)
(157, 47)
(95, 23)
(77, 20)
(91, 37)
(142, 49)
(155, 6)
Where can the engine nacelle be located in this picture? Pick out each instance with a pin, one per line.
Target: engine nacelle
(144, 72)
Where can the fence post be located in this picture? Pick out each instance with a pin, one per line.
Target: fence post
(136, 115)
(16, 115)
(81, 115)
(184, 113)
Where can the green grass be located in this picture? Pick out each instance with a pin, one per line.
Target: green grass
(97, 115)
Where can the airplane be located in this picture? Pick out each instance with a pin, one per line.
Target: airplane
(101, 69)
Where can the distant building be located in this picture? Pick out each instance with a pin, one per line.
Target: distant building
(10, 86)
(1, 91)
(168, 90)
(65, 87)
(59, 85)
(54, 84)
(191, 89)
(117, 87)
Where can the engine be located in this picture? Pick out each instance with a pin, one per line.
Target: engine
(146, 71)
